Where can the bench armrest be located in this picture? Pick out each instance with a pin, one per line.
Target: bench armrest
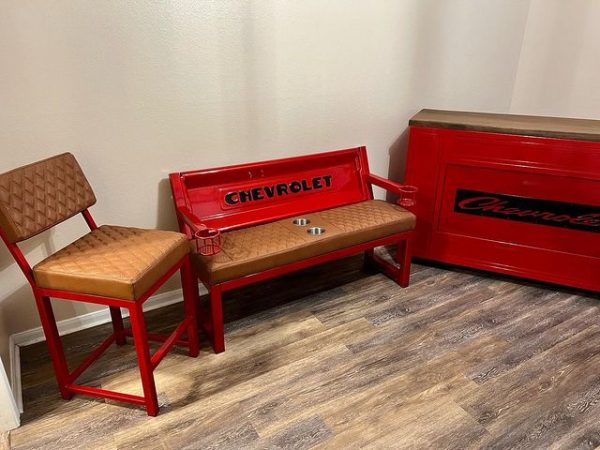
(208, 240)
(405, 192)
(190, 219)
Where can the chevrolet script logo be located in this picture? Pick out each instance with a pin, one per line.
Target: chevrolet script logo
(526, 209)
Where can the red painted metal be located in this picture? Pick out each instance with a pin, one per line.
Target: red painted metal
(208, 241)
(244, 195)
(217, 327)
(65, 378)
(201, 192)
(160, 338)
(18, 256)
(138, 327)
(406, 193)
(169, 342)
(91, 358)
(103, 393)
(55, 348)
(443, 161)
(118, 327)
(89, 219)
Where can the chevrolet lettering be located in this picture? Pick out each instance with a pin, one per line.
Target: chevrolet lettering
(277, 190)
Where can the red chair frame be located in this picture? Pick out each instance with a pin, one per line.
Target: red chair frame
(147, 362)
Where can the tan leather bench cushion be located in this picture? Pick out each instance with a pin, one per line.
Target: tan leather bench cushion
(273, 244)
(112, 261)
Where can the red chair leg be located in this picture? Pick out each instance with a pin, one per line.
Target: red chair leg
(403, 257)
(369, 261)
(189, 286)
(117, 321)
(216, 312)
(140, 338)
(55, 348)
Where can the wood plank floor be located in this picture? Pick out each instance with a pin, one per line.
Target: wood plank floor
(4, 440)
(334, 357)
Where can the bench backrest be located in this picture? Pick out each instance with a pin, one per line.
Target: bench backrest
(250, 194)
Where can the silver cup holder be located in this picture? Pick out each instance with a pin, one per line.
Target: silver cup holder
(315, 231)
(301, 221)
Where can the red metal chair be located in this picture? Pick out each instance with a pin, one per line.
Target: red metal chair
(114, 266)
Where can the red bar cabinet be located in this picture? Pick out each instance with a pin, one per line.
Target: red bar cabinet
(513, 194)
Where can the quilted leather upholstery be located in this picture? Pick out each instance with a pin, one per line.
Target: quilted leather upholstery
(112, 261)
(269, 245)
(38, 196)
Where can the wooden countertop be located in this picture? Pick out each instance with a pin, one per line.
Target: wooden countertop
(551, 127)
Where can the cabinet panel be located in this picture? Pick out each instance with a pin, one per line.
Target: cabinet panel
(522, 205)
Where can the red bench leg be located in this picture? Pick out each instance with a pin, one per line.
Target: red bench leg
(190, 299)
(216, 312)
(369, 261)
(140, 338)
(117, 321)
(403, 257)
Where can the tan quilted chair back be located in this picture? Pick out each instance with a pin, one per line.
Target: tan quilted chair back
(38, 196)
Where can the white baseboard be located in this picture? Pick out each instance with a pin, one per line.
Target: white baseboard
(72, 325)
(15, 372)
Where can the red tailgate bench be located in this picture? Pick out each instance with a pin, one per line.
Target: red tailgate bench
(260, 220)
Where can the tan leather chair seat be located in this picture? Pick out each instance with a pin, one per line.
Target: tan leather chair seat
(112, 261)
(273, 244)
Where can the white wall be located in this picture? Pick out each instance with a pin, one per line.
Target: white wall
(559, 68)
(137, 89)
(9, 414)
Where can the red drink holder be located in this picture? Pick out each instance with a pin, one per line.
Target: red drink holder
(208, 241)
(407, 196)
